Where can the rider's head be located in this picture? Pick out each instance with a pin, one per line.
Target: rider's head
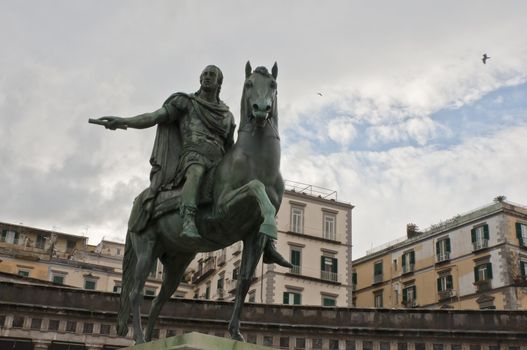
(211, 78)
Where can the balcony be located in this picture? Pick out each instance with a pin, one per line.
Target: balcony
(446, 294)
(443, 257)
(480, 244)
(329, 276)
(296, 270)
(378, 278)
(409, 303)
(220, 294)
(204, 270)
(222, 258)
(237, 248)
(408, 268)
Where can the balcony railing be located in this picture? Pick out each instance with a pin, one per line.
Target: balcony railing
(410, 303)
(445, 294)
(443, 257)
(480, 244)
(220, 294)
(329, 276)
(378, 278)
(408, 268)
(205, 270)
(296, 270)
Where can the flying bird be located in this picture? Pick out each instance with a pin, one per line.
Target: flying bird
(485, 58)
(318, 93)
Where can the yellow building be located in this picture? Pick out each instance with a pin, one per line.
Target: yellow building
(69, 260)
(473, 261)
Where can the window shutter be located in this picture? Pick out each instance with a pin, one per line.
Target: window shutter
(412, 258)
(296, 298)
(476, 275)
(486, 232)
(522, 269)
(286, 298)
(489, 270)
(404, 260)
(322, 263)
(335, 265)
(519, 234)
(447, 243)
(354, 278)
(449, 282)
(473, 234)
(4, 235)
(16, 238)
(295, 257)
(415, 292)
(405, 295)
(437, 248)
(439, 284)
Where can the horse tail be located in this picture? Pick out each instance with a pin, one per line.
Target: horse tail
(129, 262)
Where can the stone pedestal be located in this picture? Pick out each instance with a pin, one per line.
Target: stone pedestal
(196, 341)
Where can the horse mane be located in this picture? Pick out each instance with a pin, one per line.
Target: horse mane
(244, 115)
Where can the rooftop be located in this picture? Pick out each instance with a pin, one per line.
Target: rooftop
(311, 190)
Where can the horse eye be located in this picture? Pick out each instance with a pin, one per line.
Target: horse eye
(273, 84)
(248, 84)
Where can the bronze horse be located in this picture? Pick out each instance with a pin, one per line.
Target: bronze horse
(247, 193)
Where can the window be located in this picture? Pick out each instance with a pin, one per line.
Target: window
(377, 299)
(41, 241)
(18, 321)
(409, 296)
(296, 255)
(58, 277)
(105, 329)
(521, 233)
(402, 346)
(480, 237)
(523, 269)
(71, 326)
(354, 280)
(328, 300)
(350, 344)
(251, 338)
(2, 321)
(408, 261)
(252, 296)
(420, 346)
(171, 333)
(23, 272)
(317, 343)
(268, 340)
(333, 344)
(9, 236)
(70, 244)
(150, 291)
(292, 298)
(437, 347)
(90, 283)
(329, 268)
(377, 272)
(483, 272)
(330, 226)
(117, 288)
(297, 219)
(443, 249)
(88, 328)
(284, 342)
(220, 285)
(444, 286)
(300, 343)
(36, 323)
(384, 345)
(235, 273)
(53, 325)
(367, 345)
(207, 290)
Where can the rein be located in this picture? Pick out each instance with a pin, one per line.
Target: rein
(251, 128)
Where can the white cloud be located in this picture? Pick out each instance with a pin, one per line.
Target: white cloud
(341, 130)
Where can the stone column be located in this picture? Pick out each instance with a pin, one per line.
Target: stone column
(41, 344)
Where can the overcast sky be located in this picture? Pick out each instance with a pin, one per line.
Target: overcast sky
(411, 127)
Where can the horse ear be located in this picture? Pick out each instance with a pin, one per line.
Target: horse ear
(248, 69)
(274, 70)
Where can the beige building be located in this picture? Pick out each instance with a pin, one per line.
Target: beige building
(69, 260)
(314, 233)
(473, 261)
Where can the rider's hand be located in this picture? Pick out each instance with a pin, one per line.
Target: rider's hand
(113, 123)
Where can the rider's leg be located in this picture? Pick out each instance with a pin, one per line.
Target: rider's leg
(272, 256)
(189, 199)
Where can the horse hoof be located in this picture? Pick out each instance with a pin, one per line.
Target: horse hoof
(268, 230)
(238, 336)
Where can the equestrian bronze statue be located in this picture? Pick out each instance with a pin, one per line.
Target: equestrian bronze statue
(206, 191)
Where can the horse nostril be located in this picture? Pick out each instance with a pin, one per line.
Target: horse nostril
(255, 107)
(268, 108)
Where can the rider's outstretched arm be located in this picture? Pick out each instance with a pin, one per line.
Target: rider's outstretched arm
(140, 121)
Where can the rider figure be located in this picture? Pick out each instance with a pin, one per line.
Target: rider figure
(202, 132)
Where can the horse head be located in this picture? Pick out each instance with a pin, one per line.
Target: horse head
(259, 96)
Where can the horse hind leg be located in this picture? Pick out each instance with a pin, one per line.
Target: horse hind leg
(253, 248)
(174, 269)
(144, 247)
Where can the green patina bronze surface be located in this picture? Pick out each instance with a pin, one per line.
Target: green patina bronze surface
(206, 191)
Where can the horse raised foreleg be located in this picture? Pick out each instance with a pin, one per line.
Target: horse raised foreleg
(252, 251)
(174, 269)
(144, 247)
(256, 190)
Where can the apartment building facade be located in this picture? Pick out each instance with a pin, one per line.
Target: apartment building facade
(473, 261)
(314, 233)
(66, 259)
